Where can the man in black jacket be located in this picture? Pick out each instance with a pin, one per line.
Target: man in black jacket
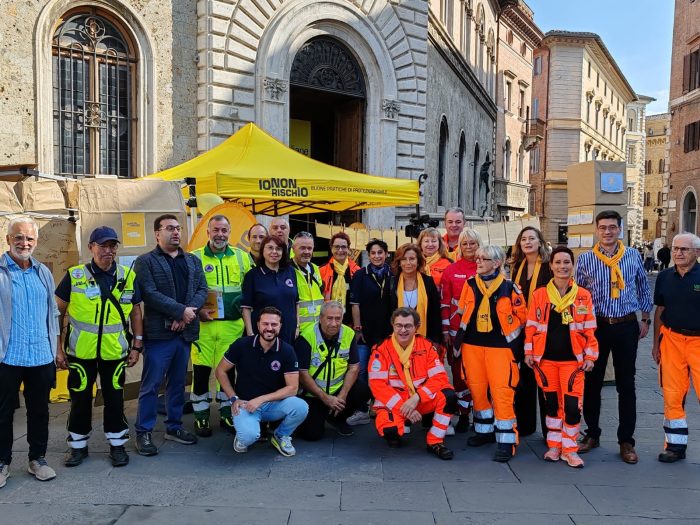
(173, 288)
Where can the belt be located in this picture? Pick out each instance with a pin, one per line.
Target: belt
(683, 331)
(616, 320)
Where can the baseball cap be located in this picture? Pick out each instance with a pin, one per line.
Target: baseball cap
(103, 234)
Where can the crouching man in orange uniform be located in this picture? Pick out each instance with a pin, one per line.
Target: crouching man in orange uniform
(560, 345)
(408, 380)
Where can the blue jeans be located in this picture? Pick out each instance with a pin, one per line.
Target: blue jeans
(364, 351)
(163, 360)
(292, 411)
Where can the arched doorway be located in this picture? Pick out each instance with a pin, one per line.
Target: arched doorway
(690, 213)
(327, 111)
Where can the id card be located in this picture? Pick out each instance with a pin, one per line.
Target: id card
(219, 306)
(92, 292)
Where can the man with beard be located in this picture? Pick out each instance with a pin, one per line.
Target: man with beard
(173, 288)
(267, 380)
(221, 321)
(28, 342)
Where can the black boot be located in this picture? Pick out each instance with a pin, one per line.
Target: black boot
(75, 457)
(462, 425)
(118, 456)
(504, 452)
(478, 440)
(392, 437)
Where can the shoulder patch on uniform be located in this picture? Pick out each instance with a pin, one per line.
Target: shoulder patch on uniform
(518, 301)
(77, 273)
(209, 268)
(376, 365)
(581, 309)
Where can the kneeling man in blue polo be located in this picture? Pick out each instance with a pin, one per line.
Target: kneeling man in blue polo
(267, 381)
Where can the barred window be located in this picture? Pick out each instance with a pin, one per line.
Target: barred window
(94, 123)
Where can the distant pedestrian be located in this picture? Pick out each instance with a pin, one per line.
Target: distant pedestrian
(648, 258)
(28, 342)
(664, 256)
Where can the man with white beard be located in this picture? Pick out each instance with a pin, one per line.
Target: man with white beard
(28, 343)
(221, 322)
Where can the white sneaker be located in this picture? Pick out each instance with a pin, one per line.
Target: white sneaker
(238, 446)
(4, 474)
(450, 430)
(359, 418)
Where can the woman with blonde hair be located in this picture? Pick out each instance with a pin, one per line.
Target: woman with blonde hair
(435, 253)
(530, 270)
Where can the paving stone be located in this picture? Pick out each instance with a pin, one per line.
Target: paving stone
(59, 514)
(189, 515)
(491, 518)
(626, 520)
(516, 498)
(376, 517)
(393, 495)
(643, 502)
(329, 468)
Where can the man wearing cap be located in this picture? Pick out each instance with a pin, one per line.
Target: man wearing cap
(102, 301)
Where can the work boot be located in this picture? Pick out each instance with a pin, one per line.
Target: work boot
(118, 455)
(587, 444)
(478, 440)
(75, 456)
(504, 452)
(440, 450)
(201, 423)
(462, 425)
(671, 455)
(392, 437)
(226, 419)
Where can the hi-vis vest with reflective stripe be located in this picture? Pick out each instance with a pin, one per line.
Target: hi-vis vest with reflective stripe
(310, 295)
(95, 324)
(225, 276)
(331, 377)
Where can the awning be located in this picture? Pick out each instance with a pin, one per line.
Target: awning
(262, 174)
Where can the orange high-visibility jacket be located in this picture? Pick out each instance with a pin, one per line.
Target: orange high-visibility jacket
(581, 330)
(327, 274)
(437, 269)
(387, 379)
(510, 307)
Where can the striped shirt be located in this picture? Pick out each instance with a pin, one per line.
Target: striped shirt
(29, 343)
(594, 276)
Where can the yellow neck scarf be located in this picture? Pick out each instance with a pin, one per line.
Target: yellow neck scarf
(429, 261)
(562, 304)
(339, 290)
(405, 358)
(421, 307)
(483, 315)
(617, 281)
(535, 275)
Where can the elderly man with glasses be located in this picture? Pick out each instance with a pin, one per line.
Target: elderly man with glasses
(28, 343)
(309, 281)
(103, 304)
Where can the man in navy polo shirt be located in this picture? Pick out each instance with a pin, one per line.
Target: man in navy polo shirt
(267, 381)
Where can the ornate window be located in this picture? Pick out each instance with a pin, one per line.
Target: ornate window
(93, 65)
(442, 163)
(689, 213)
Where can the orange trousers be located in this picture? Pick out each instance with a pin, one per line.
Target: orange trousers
(492, 370)
(680, 359)
(444, 404)
(562, 384)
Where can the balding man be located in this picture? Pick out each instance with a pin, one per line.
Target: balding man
(677, 339)
(279, 227)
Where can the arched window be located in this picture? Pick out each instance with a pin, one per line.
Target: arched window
(521, 163)
(509, 37)
(659, 198)
(506, 160)
(631, 120)
(94, 87)
(662, 165)
(442, 163)
(467, 30)
(690, 213)
(475, 178)
(461, 170)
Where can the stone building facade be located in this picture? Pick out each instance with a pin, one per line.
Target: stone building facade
(395, 88)
(517, 126)
(635, 144)
(655, 198)
(684, 106)
(582, 95)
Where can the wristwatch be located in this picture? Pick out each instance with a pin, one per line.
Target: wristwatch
(139, 349)
(233, 399)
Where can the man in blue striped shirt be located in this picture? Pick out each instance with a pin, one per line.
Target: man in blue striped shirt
(28, 343)
(616, 278)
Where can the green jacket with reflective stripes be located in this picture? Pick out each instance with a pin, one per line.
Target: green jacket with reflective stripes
(328, 365)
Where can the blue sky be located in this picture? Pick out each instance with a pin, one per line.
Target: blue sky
(638, 34)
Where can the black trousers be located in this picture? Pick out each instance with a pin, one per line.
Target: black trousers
(621, 340)
(314, 426)
(82, 374)
(527, 397)
(38, 381)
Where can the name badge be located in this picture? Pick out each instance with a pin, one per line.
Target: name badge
(126, 298)
(219, 306)
(92, 292)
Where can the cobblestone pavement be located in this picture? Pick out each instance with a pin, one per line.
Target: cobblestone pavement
(358, 480)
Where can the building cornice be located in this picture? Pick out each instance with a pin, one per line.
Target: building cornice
(514, 17)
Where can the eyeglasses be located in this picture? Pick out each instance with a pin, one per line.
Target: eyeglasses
(681, 249)
(171, 228)
(303, 235)
(339, 247)
(612, 228)
(112, 246)
(23, 238)
(398, 326)
(479, 258)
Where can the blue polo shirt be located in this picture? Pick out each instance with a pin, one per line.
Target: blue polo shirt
(259, 372)
(264, 287)
(680, 297)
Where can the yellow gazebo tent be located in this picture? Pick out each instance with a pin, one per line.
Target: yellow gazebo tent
(259, 172)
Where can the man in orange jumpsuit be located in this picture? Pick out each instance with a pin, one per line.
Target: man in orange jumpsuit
(677, 339)
(408, 380)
